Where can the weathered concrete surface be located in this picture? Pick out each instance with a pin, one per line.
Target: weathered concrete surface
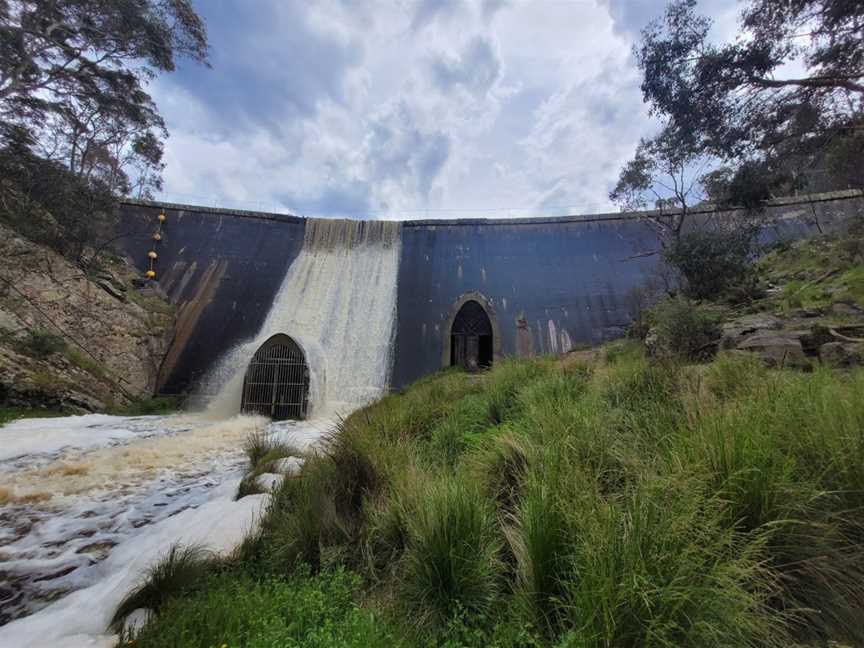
(552, 285)
(549, 284)
(221, 269)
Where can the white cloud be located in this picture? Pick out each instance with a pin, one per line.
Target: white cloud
(422, 108)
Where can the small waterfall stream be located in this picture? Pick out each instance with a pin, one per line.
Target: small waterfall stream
(87, 503)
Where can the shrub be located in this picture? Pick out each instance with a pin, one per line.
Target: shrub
(182, 570)
(711, 261)
(41, 344)
(47, 203)
(451, 557)
(683, 330)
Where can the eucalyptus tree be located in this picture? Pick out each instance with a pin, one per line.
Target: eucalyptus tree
(774, 106)
(74, 73)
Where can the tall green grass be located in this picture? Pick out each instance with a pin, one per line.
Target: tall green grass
(450, 562)
(620, 502)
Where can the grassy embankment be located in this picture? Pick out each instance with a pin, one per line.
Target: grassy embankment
(604, 502)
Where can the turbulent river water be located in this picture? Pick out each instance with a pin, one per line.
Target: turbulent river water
(87, 503)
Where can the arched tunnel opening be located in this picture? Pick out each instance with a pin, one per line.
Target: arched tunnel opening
(471, 339)
(276, 383)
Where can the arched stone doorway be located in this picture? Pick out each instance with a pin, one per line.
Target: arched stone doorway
(471, 337)
(276, 383)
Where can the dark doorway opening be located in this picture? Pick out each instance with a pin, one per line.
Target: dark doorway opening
(276, 383)
(471, 338)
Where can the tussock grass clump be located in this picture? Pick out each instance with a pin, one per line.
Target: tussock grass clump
(450, 563)
(657, 568)
(182, 570)
(787, 457)
(501, 469)
(539, 542)
(263, 451)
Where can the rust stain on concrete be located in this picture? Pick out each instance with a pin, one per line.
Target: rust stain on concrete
(188, 313)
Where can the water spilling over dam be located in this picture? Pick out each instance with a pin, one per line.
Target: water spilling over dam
(338, 302)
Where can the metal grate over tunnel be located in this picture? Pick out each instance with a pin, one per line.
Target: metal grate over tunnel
(276, 383)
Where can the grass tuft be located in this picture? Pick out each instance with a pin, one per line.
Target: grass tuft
(450, 562)
(179, 572)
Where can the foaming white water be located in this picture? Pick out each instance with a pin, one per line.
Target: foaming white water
(83, 515)
(338, 301)
(74, 488)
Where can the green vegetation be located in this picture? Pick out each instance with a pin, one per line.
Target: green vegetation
(262, 451)
(816, 272)
(8, 414)
(711, 262)
(41, 344)
(180, 572)
(681, 328)
(149, 405)
(293, 612)
(152, 304)
(613, 502)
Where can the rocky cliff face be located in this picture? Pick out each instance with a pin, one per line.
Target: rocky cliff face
(76, 340)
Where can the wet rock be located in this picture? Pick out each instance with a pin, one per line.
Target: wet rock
(777, 349)
(98, 550)
(289, 466)
(842, 354)
(269, 482)
(56, 574)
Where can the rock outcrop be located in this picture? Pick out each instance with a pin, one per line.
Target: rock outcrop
(76, 339)
(797, 342)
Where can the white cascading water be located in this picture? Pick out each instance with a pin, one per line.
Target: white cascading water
(87, 503)
(338, 301)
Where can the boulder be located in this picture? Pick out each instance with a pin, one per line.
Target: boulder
(269, 482)
(842, 354)
(734, 331)
(776, 348)
(845, 308)
(289, 466)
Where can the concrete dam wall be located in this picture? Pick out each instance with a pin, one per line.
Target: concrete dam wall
(546, 285)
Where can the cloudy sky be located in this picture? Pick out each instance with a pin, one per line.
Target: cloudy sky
(410, 108)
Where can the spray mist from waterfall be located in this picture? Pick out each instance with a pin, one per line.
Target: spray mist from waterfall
(338, 301)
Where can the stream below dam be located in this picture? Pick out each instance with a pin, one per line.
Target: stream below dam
(87, 503)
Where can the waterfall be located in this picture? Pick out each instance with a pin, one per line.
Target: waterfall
(338, 301)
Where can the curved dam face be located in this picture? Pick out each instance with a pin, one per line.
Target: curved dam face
(545, 285)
